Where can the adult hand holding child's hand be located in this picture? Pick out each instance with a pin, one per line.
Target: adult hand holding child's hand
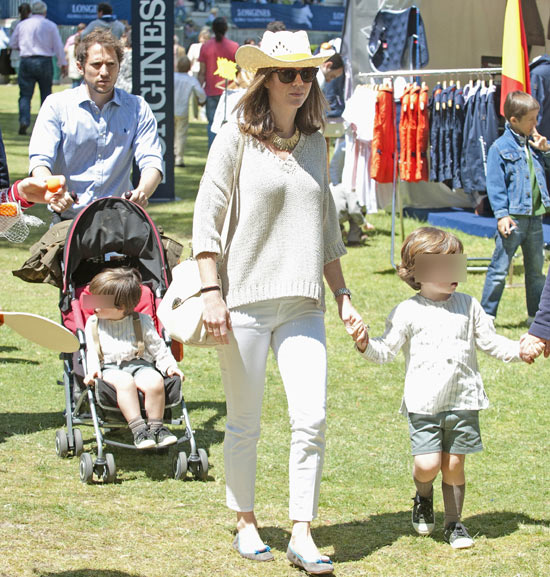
(531, 347)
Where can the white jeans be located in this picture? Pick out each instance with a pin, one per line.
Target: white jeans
(294, 328)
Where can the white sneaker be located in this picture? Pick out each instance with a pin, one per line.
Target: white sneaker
(457, 536)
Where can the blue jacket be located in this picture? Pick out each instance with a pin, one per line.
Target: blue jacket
(334, 93)
(540, 89)
(541, 325)
(508, 182)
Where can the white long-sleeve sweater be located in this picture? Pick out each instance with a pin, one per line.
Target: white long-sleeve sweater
(439, 340)
(118, 343)
(283, 226)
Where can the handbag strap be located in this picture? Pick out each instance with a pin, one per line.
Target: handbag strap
(236, 175)
(138, 330)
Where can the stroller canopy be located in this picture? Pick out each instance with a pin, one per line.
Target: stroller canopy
(114, 225)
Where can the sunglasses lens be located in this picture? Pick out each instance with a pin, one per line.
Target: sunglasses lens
(287, 75)
(308, 74)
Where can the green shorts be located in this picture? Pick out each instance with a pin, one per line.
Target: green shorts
(132, 367)
(455, 432)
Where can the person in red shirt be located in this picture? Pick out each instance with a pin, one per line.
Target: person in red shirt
(217, 47)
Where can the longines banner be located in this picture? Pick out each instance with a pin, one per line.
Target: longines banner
(67, 13)
(295, 17)
(153, 76)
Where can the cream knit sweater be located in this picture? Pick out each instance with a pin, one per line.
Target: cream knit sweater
(283, 227)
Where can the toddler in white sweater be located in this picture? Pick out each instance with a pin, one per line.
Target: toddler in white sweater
(125, 350)
(439, 330)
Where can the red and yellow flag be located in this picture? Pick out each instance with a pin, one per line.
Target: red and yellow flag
(515, 59)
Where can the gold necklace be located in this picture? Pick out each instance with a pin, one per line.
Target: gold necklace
(286, 144)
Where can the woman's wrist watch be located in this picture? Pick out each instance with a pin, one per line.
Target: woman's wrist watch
(342, 291)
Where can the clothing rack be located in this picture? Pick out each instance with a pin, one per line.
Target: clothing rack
(424, 72)
(362, 77)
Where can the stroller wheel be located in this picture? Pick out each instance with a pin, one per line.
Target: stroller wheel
(109, 470)
(78, 442)
(179, 466)
(201, 472)
(61, 443)
(86, 468)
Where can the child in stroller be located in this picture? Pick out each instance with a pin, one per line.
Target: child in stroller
(108, 234)
(125, 350)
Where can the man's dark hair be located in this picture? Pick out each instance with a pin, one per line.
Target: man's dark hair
(275, 26)
(102, 36)
(337, 61)
(104, 8)
(219, 27)
(24, 10)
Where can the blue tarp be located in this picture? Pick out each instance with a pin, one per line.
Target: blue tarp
(296, 16)
(465, 220)
(71, 13)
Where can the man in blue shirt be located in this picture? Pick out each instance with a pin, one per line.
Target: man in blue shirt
(92, 133)
(105, 19)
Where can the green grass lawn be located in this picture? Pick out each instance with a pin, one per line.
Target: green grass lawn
(150, 525)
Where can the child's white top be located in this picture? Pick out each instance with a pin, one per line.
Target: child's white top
(118, 343)
(184, 85)
(439, 340)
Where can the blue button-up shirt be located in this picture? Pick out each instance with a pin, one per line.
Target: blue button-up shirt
(94, 148)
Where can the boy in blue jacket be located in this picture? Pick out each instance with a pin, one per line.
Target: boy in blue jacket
(518, 193)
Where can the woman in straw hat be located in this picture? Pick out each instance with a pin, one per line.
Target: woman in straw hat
(283, 236)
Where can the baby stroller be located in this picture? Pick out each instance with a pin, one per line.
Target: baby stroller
(113, 232)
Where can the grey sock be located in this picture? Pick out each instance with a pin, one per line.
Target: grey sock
(453, 499)
(137, 425)
(154, 424)
(424, 489)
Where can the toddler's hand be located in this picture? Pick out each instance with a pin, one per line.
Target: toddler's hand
(90, 377)
(173, 371)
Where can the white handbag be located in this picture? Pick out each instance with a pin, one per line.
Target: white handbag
(181, 308)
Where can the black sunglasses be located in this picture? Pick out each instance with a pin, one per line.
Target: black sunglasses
(288, 75)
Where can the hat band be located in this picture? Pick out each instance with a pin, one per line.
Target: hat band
(292, 57)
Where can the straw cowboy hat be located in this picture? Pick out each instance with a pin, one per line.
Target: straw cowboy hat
(280, 50)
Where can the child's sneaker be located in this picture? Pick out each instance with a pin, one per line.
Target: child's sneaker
(423, 514)
(165, 437)
(457, 536)
(144, 439)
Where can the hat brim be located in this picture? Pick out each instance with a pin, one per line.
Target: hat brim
(252, 58)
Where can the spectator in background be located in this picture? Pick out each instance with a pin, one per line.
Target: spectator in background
(184, 86)
(195, 50)
(180, 13)
(105, 19)
(38, 40)
(212, 16)
(124, 80)
(218, 47)
(193, 54)
(275, 26)
(70, 54)
(330, 70)
(179, 51)
(249, 42)
(72, 38)
(15, 56)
